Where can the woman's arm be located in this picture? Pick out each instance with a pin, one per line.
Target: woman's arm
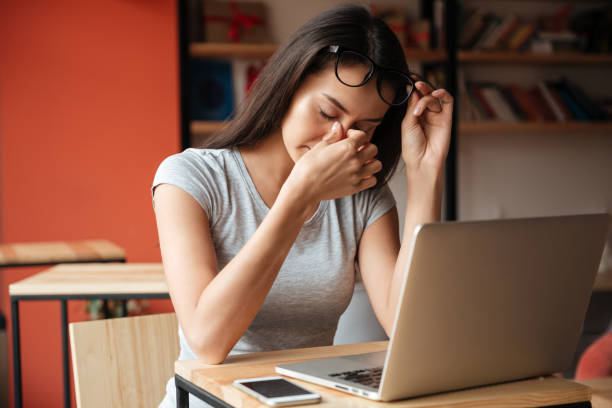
(383, 261)
(215, 309)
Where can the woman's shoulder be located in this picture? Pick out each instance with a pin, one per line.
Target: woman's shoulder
(203, 173)
(198, 161)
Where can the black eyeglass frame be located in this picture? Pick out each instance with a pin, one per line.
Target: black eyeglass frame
(338, 50)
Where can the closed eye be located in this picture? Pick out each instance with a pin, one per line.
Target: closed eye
(325, 115)
(330, 117)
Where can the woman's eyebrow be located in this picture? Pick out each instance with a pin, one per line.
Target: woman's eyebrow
(343, 109)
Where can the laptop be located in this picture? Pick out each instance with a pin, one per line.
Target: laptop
(482, 302)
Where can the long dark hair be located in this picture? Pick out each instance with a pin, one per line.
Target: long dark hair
(349, 26)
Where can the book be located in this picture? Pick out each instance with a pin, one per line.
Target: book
(244, 73)
(482, 102)
(521, 37)
(552, 103)
(576, 110)
(468, 109)
(502, 110)
(212, 96)
(516, 108)
(525, 102)
(496, 39)
(540, 104)
(476, 110)
(491, 24)
(560, 41)
(552, 89)
(471, 28)
(586, 103)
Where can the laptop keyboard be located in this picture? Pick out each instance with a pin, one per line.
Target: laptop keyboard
(369, 376)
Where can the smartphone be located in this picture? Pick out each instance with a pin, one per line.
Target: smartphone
(276, 391)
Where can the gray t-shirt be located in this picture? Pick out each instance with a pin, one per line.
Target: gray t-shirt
(315, 283)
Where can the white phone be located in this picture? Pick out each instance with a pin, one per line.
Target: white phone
(276, 391)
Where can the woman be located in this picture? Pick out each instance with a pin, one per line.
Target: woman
(260, 232)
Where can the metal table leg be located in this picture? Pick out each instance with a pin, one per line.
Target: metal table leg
(182, 396)
(65, 360)
(184, 388)
(16, 353)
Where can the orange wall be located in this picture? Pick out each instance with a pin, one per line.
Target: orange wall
(89, 106)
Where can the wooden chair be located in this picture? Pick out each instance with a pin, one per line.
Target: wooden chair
(123, 362)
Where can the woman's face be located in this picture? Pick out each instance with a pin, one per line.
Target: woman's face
(322, 100)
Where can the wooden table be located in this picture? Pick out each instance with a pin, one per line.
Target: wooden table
(51, 253)
(213, 384)
(602, 391)
(84, 282)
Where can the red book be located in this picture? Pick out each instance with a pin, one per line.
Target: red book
(525, 102)
(483, 102)
(540, 104)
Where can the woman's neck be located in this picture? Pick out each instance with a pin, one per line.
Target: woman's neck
(269, 165)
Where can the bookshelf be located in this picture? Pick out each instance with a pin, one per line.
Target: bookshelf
(203, 127)
(222, 50)
(534, 127)
(505, 57)
(206, 127)
(230, 50)
(452, 59)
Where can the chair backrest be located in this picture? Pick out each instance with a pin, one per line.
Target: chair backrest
(123, 362)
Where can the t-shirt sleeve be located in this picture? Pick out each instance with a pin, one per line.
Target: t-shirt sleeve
(375, 204)
(190, 173)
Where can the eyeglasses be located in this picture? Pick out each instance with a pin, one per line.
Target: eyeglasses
(355, 69)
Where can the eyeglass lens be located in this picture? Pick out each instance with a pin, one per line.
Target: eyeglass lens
(353, 69)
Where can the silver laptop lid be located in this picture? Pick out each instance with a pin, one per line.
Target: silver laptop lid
(491, 301)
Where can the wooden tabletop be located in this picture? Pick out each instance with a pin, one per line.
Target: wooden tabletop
(36, 253)
(602, 391)
(94, 278)
(217, 379)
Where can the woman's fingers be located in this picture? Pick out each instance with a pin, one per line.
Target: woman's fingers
(368, 152)
(424, 88)
(334, 134)
(366, 183)
(445, 98)
(370, 169)
(428, 102)
(356, 139)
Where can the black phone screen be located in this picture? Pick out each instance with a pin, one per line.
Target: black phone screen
(275, 388)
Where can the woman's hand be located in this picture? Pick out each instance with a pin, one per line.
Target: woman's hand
(339, 165)
(426, 127)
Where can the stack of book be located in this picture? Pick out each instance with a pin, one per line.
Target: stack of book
(547, 101)
(486, 31)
